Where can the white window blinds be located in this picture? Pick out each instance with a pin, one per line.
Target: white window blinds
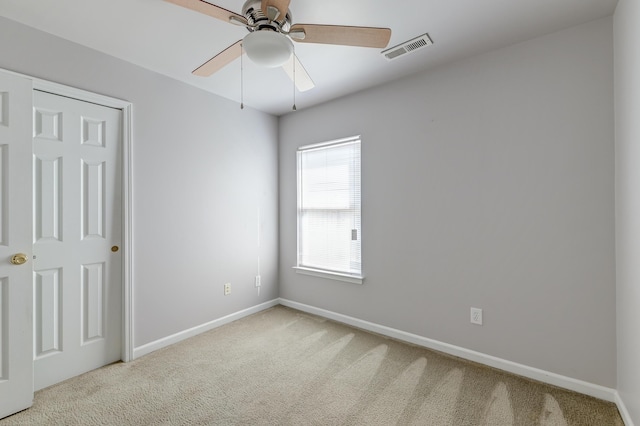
(329, 228)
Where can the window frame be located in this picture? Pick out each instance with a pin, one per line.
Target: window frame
(354, 278)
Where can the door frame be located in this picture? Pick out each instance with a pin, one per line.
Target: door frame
(127, 193)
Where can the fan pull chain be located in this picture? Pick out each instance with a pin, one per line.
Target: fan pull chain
(293, 59)
(241, 76)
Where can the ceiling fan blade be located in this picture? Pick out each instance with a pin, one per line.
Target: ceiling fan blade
(220, 60)
(302, 79)
(209, 9)
(281, 5)
(342, 35)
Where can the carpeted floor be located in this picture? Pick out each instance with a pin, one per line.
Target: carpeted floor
(284, 367)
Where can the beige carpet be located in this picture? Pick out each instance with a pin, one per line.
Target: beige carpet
(284, 367)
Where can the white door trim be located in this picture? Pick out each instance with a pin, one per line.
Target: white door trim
(127, 193)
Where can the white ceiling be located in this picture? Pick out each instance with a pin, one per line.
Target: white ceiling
(172, 40)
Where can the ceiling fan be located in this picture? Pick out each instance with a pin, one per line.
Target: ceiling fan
(270, 33)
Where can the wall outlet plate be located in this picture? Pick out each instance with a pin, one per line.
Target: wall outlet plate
(258, 283)
(476, 316)
(227, 289)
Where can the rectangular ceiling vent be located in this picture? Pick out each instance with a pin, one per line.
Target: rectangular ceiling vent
(407, 47)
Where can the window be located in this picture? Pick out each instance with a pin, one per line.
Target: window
(329, 227)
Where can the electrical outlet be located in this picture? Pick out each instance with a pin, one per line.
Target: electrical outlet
(476, 316)
(227, 289)
(258, 283)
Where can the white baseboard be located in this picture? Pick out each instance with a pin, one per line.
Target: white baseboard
(580, 386)
(622, 408)
(175, 338)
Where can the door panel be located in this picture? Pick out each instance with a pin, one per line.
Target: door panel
(16, 314)
(77, 219)
(48, 324)
(48, 199)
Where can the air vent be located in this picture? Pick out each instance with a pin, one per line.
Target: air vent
(407, 47)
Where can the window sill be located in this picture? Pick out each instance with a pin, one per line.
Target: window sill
(353, 279)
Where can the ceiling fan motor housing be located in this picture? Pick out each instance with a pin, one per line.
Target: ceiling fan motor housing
(252, 10)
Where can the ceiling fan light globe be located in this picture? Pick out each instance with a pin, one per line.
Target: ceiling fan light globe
(268, 48)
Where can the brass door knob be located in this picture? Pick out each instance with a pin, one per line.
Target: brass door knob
(19, 259)
(115, 249)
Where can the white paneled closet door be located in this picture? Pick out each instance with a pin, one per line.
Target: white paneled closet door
(77, 225)
(16, 338)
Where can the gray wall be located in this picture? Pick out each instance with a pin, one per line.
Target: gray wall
(202, 170)
(486, 183)
(627, 93)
